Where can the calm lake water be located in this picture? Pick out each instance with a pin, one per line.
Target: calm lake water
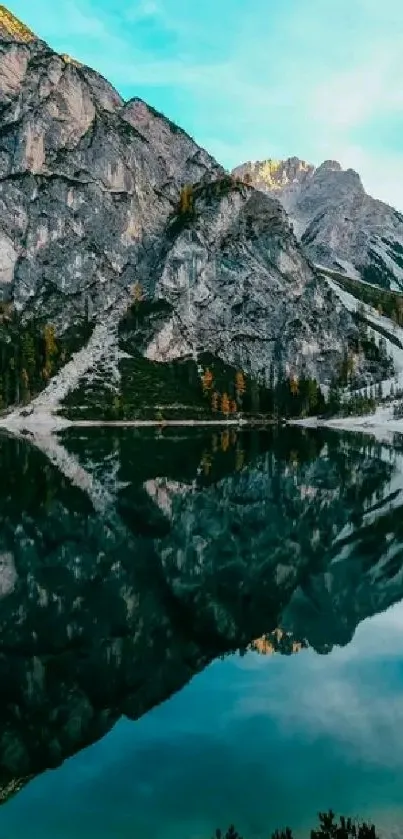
(199, 628)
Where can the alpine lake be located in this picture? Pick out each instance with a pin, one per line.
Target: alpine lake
(199, 627)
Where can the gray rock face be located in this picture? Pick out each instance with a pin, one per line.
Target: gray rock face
(242, 288)
(87, 181)
(340, 226)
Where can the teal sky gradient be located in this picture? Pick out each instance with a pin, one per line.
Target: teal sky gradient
(251, 79)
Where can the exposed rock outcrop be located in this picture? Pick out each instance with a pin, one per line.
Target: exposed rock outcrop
(241, 287)
(87, 182)
(339, 225)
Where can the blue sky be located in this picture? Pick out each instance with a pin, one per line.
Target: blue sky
(251, 79)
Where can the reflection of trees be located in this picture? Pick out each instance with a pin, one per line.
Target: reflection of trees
(277, 641)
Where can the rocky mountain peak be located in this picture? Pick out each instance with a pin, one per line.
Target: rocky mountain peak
(12, 27)
(339, 225)
(68, 59)
(329, 166)
(273, 174)
(332, 172)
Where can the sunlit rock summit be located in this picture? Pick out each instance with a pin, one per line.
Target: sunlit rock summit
(338, 224)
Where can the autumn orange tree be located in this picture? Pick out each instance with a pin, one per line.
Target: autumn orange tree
(240, 385)
(207, 381)
(294, 385)
(186, 199)
(225, 404)
(137, 294)
(50, 350)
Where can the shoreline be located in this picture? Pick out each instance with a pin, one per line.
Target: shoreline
(160, 423)
(52, 423)
(383, 429)
(380, 424)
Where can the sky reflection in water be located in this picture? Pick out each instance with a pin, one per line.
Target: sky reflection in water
(259, 740)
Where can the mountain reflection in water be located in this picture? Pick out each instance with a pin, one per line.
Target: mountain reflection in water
(130, 560)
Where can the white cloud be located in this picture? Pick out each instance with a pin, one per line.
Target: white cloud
(349, 696)
(346, 99)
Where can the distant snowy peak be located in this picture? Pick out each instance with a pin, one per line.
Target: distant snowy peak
(340, 226)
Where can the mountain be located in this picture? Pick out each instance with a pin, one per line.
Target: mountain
(11, 27)
(241, 288)
(87, 182)
(106, 204)
(338, 224)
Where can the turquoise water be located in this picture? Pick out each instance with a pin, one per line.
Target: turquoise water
(134, 606)
(261, 741)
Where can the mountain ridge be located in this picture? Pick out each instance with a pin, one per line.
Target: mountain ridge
(340, 226)
(10, 25)
(99, 196)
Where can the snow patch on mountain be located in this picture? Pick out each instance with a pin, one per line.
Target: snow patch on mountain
(373, 317)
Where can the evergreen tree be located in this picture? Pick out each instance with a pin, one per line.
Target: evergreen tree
(294, 385)
(254, 396)
(334, 400)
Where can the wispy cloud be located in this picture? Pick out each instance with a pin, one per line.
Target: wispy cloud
(351, 697)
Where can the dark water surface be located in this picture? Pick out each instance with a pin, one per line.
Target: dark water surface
(199, 628)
